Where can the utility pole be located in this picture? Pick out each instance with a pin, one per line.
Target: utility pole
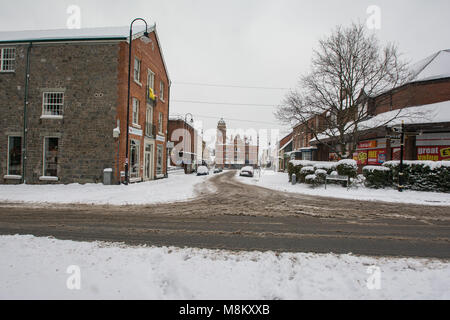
(402, 147)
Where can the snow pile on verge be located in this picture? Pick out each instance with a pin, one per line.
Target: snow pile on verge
(279, 181)
(36, 268)
(177, 187)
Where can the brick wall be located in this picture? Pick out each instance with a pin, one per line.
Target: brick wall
(415, 94)
(150, 57)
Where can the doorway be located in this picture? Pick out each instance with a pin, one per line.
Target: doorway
(148, 162)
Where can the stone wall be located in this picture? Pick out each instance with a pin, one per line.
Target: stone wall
(87, 74)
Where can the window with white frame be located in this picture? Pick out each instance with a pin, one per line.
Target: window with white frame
(151, 79)
(7, 59)
(14, 156)
(135, 111)
(51, 152)
(137, 70)
(161, 90)
(160, 122)
(53, 103)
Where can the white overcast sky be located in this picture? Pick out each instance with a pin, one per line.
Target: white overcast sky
(253, 43)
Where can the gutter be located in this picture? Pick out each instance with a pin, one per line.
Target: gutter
(63, 40)
(167, 126)
(25, 105)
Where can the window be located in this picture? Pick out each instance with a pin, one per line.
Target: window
(151, 79)
(15, 156)
(161, 90)
(160, 122)
(135, 111)
(159, 159)
(7, 59)
(51, 151)
(149, 122)
(52, 104)
(137, 70)
(134, 159)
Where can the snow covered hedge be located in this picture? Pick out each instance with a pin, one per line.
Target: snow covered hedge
(304, 168)
(422, 175)
(295, 166)
(347, 167)
(377, 177)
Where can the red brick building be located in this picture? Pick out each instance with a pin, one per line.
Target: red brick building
(423, 104)
(149, 113)
(185, 141)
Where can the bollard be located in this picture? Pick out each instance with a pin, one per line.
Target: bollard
(294, 179)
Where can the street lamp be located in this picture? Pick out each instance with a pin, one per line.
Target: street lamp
(147, 37)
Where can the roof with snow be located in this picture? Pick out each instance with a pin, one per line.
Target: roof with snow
(430, 113)
(436, 66)
(104, 33)
(84, 34)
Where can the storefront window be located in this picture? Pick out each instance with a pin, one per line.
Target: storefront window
(159, 159)
(134, 159)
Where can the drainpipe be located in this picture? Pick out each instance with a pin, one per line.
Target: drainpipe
(25, 105)
(167, 126)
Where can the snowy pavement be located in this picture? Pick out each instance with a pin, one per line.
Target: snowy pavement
(279, 181)
(45, 268)
(177, 187)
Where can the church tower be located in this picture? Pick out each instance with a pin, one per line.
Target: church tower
(221, 142)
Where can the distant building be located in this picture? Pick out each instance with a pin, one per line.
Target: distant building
(235, 152)
(63, 100)
(285, 151)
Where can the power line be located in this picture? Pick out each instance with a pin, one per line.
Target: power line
(227, 85)
(231, 119)
(227, 103)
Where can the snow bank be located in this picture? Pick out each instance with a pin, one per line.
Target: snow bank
(433, 165)
(279, 181)
(36, 268)
(375, 168)
(177, 187)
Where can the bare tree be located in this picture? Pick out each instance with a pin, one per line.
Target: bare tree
(348, 67)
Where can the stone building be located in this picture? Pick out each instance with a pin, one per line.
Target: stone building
(63, 100)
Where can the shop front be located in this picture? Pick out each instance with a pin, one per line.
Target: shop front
(371, 152)
(433, 147)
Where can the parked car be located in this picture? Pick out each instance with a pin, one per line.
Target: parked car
(246, 171)
(218, 170)
(202, 171)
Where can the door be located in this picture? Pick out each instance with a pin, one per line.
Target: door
(148, 162)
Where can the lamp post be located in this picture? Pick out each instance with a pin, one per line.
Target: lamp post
(127, 178)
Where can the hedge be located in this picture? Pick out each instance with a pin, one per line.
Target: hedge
(422, 175)
(377, 177)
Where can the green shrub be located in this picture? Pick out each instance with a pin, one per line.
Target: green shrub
(348, 168)
(305, 171)
(312, 180)
(321, 175)
(377, 177)
(422, 175)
